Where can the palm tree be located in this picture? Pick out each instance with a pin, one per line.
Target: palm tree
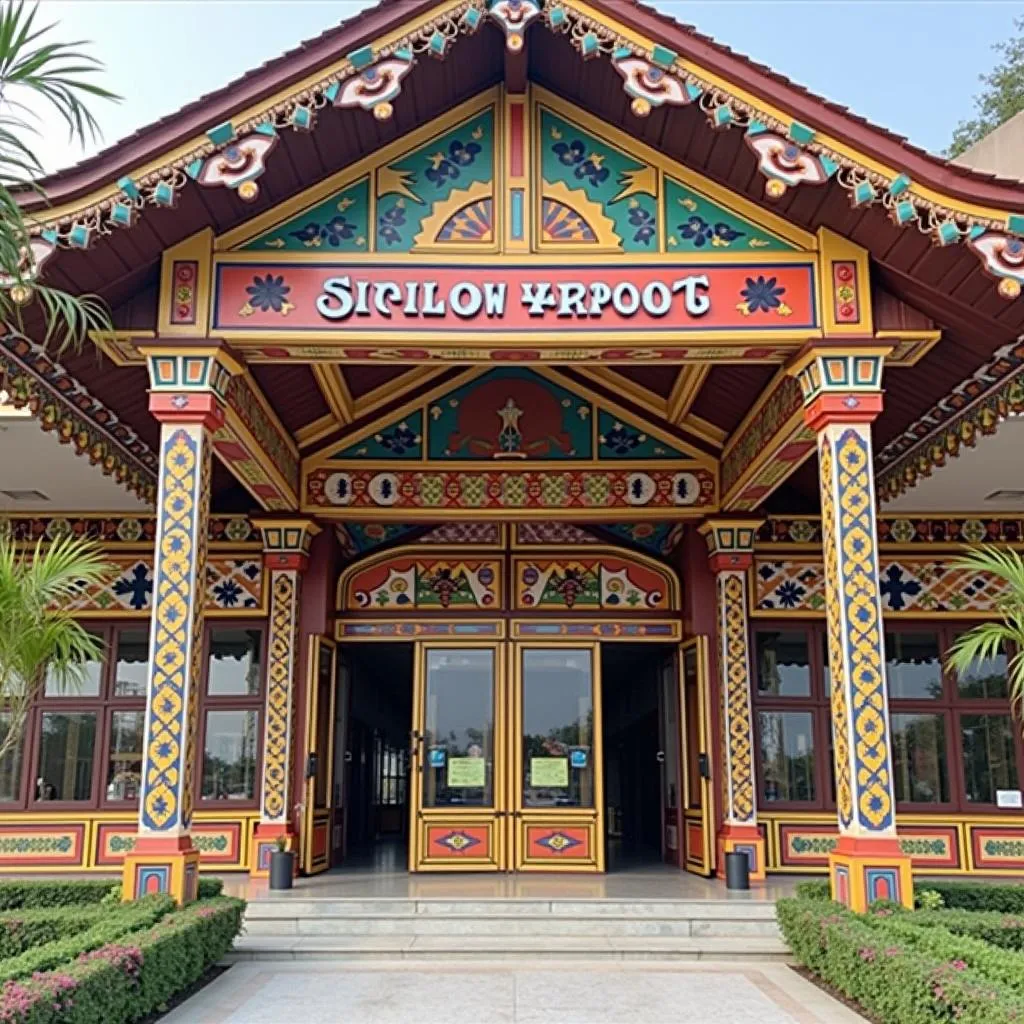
(990, 639)
(37, 74)
(39, 636)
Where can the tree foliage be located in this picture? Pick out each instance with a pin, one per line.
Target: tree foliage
(990, 639)
(39, 76)
(1002, 97)
(39, 635)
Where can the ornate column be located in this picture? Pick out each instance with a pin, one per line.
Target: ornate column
(842, 386)
(187, 388)
(285, 556)
(731, 554)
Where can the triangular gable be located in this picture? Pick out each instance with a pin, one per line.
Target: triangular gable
(590, 188)
(510, 415)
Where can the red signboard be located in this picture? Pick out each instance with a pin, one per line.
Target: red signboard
(514, 298)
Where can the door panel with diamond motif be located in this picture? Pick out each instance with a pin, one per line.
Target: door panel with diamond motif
(458, 759)
(556, 769)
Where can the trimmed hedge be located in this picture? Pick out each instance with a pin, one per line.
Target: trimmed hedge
(126, 981)
(37, 894)
(22, 929)
(1007, 899)
(115, 923)
(1003, 930)
(889, 972)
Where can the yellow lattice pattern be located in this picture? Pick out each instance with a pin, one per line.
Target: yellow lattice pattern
(732, 598)
(861, 611)
(283, 625)
(840, 725)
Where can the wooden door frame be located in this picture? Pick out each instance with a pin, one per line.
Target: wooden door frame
(706, 817)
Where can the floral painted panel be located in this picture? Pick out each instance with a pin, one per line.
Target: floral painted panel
(232, 584)
(593, 192)
(694, 223)
(603, 582)
(907, 585)
(339, 224)
(400, 440)
(619, 440)
(442, 192)
(426, 584)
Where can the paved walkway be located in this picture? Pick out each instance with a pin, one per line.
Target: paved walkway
(501, 993)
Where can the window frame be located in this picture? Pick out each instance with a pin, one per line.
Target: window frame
(950, 706)
(230, 702)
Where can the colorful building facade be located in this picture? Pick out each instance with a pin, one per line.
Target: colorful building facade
(554, 411)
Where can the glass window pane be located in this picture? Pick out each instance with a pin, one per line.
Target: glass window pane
(558, 728)
(783, 663)
(913, 666)
(10, 763)
(787, 755)
(65, 756)
(124, 759)
(458, 740)
(919, 759)
(87, 686)
(985, 678)
(229, 755)
(132, 663)
(233, 668)
(990, 761)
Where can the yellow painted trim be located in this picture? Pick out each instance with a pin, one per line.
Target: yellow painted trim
(407, 618)
(687, 387)
(706, 813)
(333, 387)
(415, 376)
(925, 342)
(637, 393)
(198, 247)
(516, 626)
(832, 248)
(317, 430)
(110, 342)
(706, 429)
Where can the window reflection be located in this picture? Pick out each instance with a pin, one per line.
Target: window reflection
(558, 728)
(10, 763)
(234, 663)
(124, 762)
(913, 666)
(787, 755)
(919, 758)
(990, 761)
(66, 756)
(87, 685)
(132, 663)
(783, 664)
(985, 678)
(229, 755)
(458, 740)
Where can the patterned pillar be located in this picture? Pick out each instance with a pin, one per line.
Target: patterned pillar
(842, 396)
(731, 550)
(187, 386)
(286, 555)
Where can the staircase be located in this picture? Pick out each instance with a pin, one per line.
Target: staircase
(508, 929)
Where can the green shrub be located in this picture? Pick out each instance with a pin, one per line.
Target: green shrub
(928, 899)
(816, 890)
(1003, 930)
(115, 923)
(24, 895)
(1007, 899)
(208, 889)
(126, 981)
(873, 961)
(23, 929)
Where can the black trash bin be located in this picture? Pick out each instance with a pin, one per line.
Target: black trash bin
(737, 871)
(282, 869)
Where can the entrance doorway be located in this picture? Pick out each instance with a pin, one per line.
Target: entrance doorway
(371, 798)
(641, 752)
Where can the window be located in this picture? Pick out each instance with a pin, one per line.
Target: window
(787, 756)
(229, 755)
(66, 746)
(783, 664)
(233, 665)
(955, 745)
(919, 758)
(791, 713)
(84, 745)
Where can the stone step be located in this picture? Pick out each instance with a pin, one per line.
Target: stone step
(505, 924)
(505, 948)
(295, 906)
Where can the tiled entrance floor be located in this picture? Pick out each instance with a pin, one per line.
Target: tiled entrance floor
(524, 993)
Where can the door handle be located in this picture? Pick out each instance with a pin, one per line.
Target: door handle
(660, 757)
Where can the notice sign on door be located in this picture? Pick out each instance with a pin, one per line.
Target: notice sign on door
(549, 772)
(467, 772)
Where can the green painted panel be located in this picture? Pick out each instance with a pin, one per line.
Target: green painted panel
(615, 185)
(656, 538)
(338, 224)
(367, 536)
(696, 224)
(510, 413)
(400, 440)
(618, 440)
(424, 183)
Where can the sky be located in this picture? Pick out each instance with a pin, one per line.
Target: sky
(911, 67)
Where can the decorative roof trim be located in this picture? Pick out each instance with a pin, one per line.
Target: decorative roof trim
(975, 407)
(789, 152)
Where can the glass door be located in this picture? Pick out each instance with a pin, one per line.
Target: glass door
(557, 773)
(698, 813)
(316, 846)
(458, 759)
